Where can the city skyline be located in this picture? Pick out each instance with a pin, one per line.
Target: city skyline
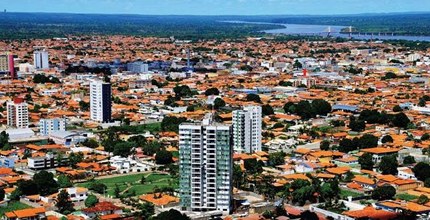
(217, 7)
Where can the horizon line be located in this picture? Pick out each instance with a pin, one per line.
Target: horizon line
(218, 15)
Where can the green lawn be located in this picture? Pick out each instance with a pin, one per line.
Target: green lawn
(153, 127)
(345, 193)
(405, 196)
(133, 183)
(12, 206)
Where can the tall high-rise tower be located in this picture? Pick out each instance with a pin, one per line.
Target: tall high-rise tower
(41, 60)
(247, 129)
(17, 113)
(205, 167)
(100, 101)
(7, 64)
(11, 65)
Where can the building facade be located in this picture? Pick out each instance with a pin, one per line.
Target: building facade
(138, 67)
(205, 153)
(100, 101)
(247, 129)
(47, 126)
(17, 113)
(7, 65)
(46, 162)
(41, 60)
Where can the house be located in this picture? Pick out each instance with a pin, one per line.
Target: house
(370, 212)
(401, 206)
(405, 173)
(364, 182)
(304, 167)
(102, 208)
(77, 194)
(8, 162)
(379, 152)
(26, 214)
(399, 184)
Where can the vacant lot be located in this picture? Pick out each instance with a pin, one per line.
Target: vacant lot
(132, 183)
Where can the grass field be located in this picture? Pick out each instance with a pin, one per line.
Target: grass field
(132, 183)
(12, 206)
(406, 197)
(153, 127)
(345, 193)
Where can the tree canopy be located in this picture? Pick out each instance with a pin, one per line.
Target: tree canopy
(64, 204)
(267, 110)
(171, 123)
(383, 192)
(253, 166)
(389, 164)
(45, 183)
(366, 161)
(211, 91)
(253, 98)
(421, 171)
(307, 110)
(91, 201)
(163, 157)
(172, 214)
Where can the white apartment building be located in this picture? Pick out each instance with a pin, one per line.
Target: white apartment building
(247, 129)
(100, 101)
(205, 153)
(41, 60)
(47, 126)
(46, 162)
(17, 113)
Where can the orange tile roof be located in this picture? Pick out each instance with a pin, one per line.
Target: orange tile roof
(411, 206)
(110, 216)
(295, 176)
(380, 150)
(370, 212)
(338, 170)
(25, 213)
(363, 179)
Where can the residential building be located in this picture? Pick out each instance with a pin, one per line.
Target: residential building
(24, 214)
(7, 64)
(379, 152)
(4, 63)
(17, 113)
(47, 126)
(41, 60)
(100, 101)
(77, 194)
(137, 67)
(247, 129)
(8, 162)
(48, 161)
(205, 153)
(100, 209)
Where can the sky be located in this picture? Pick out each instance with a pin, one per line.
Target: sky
(217, 7)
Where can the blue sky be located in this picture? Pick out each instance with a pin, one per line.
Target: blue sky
(216, 7)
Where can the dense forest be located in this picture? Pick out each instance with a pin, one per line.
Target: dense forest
(47, 25)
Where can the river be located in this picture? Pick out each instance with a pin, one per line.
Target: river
(320, 30)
